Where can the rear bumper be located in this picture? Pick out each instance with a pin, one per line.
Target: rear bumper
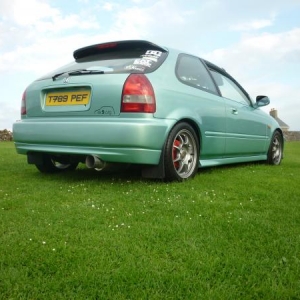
(113, 140)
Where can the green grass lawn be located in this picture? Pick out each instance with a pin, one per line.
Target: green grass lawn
(230, 233)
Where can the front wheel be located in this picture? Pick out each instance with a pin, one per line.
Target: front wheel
(51, 165)
(275, 149)
(181, 154)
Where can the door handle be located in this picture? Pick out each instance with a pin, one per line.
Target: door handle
(234, 111)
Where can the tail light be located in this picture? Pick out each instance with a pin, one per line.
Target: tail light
(138, 95)
(23, 104)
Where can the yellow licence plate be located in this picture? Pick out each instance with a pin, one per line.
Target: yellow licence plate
(68, 98)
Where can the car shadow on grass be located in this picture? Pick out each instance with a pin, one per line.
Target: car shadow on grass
(119, 173)
(124, 173)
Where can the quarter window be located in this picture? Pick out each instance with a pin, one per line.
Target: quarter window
(229, 89)
(191, 71)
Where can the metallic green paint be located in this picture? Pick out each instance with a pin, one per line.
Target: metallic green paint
(228, 131)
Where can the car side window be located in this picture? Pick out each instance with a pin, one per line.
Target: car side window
(229, 89)
(191, 71)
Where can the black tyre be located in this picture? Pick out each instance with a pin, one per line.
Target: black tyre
(181, 156)
(275, 149)
(51, 165)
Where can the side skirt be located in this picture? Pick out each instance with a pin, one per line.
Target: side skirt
(226, 161)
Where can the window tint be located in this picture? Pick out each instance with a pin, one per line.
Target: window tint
(135, 61)
(229, 89)
(191, 71)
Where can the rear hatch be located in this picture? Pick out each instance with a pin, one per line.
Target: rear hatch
(92, 85)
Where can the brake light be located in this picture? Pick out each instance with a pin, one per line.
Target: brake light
(138, 95)
(107, 45)
(23, 104)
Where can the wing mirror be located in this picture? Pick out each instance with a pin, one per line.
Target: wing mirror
(261, 101)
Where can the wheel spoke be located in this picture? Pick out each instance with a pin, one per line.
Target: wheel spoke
(181, 139)
(183, 153)
(177, 159)
(181, 166)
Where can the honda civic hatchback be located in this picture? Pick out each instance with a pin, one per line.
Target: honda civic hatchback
(135, 102)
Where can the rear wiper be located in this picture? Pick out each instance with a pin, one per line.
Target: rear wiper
(57, 75)
(78, 72)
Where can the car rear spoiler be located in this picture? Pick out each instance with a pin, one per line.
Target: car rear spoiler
(115, 47)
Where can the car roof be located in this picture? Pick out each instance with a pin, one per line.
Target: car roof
(124, 45)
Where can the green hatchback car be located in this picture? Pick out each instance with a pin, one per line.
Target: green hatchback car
(135, 102)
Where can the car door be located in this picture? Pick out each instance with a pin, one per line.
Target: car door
(246, 128)
(203, 100)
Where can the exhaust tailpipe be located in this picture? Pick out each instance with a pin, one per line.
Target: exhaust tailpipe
(94, 162)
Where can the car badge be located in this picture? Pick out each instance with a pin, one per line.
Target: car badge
(66, 80)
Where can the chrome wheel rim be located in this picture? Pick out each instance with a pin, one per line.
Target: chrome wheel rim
(276, 150)
(184, 153)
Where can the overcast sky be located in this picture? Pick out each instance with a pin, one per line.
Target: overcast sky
(257, 41)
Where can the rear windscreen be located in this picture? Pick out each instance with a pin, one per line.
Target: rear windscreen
(126, 61)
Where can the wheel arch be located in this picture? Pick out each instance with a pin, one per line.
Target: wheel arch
(281, 132)
(278, 129)
(194, 125)
(158, 171)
